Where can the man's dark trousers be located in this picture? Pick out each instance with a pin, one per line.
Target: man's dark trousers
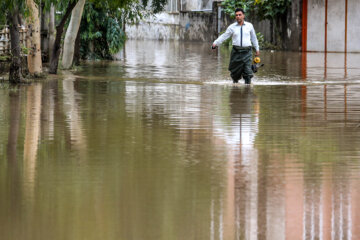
(240, 64)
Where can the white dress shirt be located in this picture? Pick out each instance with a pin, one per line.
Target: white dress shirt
(242, 35)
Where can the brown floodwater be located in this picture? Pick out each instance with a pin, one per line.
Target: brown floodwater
(161, 145)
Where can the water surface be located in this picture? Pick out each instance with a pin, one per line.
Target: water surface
(161, 145)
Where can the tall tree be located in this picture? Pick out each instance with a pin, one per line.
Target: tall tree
(54, 60)
(34, 39)
(71, 35)
(102, 29)
(34, 59)
(15, 76)
(52, 30)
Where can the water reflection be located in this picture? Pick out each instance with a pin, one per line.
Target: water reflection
(14, 125)
(48, 113)
(72, 114)
(332, 67)
(31, 142)
(143, 149)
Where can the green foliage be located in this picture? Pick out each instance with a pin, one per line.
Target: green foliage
(102, 23)
(8, 7)
(230, 6)
(156, 6)
(101, 29)
(264, 44)
(100, 32)
(4, 59)
(115, 36)
(270, 9)
(24, 50)
(2, 16)
(263, 9)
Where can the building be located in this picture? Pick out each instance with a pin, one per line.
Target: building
(331, 25)
(309, 25)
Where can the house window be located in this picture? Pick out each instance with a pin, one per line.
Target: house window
(172, 6)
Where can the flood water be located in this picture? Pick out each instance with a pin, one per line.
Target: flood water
(161, 145)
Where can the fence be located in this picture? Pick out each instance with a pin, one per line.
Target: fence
(5, 46)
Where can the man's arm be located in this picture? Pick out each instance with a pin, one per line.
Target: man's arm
(223, 37)
(254, 41)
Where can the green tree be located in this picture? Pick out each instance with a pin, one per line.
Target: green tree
(273, 10)
(112, 5)
(101, 31)
(12, 16)
(131, 9)
(264, 9)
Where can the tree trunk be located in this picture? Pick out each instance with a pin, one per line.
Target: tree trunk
(77, 50)
(52, 30)
(15, 76)
(272, 39)
(71, 34)
(33, 39)
(54, 61)
(45, 18)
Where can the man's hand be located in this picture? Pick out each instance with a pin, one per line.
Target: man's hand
(257, 53)
(214, 46)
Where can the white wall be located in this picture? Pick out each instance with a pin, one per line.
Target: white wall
(163, 26)
(336, 24)
(316, 28)
(189, 25)
(353, 33)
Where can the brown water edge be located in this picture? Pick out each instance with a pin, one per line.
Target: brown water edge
(121, 150)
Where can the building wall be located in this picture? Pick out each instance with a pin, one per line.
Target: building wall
(315, 28)
(198, 20)
(194, 22)
(165, 26)
(353, 32)
(332, 25)
(199, 26)
(195, 5)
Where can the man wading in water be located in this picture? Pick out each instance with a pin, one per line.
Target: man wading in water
(243, 34)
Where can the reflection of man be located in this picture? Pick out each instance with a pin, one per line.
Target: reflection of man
(242, 101)
(243, 37)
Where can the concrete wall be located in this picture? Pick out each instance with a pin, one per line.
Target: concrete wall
(198, 26)
(164, 26)
(330, 36)
(196, 5)
(336, 25)
(193, 25)
(187, 24)
(353, 32)
(315, 28)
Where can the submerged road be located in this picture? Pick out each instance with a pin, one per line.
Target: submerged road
(161, 145)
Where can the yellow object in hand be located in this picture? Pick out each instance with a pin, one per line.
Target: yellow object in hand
(257, 60)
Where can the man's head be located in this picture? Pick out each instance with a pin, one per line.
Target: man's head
(239, 15)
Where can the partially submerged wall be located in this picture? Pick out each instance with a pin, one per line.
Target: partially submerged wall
(186, 25)
(164, 26)
(193, 20)
(204, 25)
(197, 26)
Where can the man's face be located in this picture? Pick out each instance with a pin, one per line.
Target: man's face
(239, 16)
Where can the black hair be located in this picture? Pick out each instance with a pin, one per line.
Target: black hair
(240, 10)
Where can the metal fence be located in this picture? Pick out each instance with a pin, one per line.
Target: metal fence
(5, 46)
